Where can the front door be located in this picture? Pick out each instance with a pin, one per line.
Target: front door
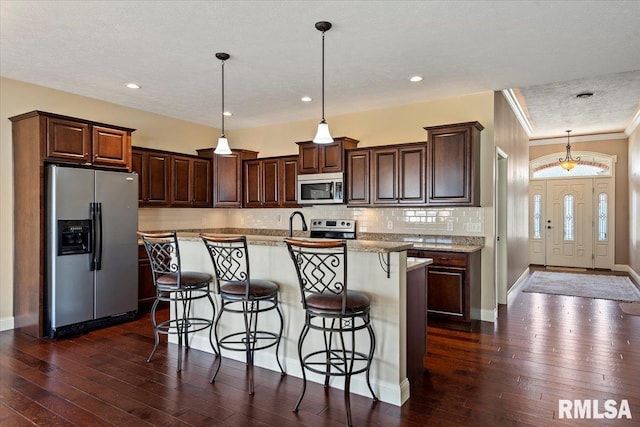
(568, 225)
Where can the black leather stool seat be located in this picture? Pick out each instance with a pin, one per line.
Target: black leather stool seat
(257, 288)
(356, 301)
(188, 278)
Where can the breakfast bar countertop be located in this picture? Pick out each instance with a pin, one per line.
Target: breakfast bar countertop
(352, 245)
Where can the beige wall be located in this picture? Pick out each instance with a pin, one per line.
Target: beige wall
(152, 131)
(634, 202)
(514, 141)
(619, 148)
(375, 127)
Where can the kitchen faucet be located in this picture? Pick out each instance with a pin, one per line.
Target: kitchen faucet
(304, 223)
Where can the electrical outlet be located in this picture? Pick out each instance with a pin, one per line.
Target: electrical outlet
(390, 225)
(279, 219)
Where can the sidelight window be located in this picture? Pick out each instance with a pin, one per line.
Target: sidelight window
(537, 216)
(602, 217)
(569, 218)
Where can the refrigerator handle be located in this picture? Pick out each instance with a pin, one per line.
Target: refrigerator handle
(98, 252)
(92, 213)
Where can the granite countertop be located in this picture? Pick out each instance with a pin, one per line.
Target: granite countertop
(352, 245)
(446, 247)
(415, 263)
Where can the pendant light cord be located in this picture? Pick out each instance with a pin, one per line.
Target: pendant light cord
(223, 98)
(323, 76)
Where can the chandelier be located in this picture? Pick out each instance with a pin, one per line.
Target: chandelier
(568, 162)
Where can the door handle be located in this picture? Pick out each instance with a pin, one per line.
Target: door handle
(98, 255)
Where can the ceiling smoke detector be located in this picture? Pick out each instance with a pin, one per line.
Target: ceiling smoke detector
(584, 95)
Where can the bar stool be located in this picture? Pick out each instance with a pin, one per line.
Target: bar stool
(177, 287)
(239, 293)
(333, 310)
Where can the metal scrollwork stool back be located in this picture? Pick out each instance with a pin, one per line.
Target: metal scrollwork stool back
(239, 293)
(178, 288)
(333, 310)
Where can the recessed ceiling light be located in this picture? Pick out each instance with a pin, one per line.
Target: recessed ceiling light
(415, 79)
(584, 95)
(227, 113)
(133, 86)
(306, 99)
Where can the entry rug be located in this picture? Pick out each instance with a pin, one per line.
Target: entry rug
(617, 288)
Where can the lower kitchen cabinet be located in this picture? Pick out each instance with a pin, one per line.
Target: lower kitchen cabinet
(453, 294)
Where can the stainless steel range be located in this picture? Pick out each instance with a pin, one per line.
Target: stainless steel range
(333, 228)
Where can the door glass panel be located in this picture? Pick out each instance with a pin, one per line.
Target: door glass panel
(602, 217)
(537, 216)
(569, 225)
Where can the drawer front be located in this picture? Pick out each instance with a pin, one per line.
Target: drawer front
(447, 259)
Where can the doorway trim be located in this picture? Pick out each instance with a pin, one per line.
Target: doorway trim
(500, 228)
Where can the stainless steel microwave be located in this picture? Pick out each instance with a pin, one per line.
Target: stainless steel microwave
(321, 188)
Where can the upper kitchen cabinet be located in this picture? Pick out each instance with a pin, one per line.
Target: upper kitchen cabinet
(70, 140)
(270, 182)
(324, 158)
(453, 160)
(227, 176)
(399, 174)
(154, 171)
(191, 181)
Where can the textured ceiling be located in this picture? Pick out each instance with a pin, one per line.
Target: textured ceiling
(93, 48)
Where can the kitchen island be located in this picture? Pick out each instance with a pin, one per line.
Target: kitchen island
(377, 268)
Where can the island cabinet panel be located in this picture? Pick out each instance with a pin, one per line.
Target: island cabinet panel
(324, 158)
(416, 322)
(227, 176)
(146, 288)
(270, 182)
(454, 164)
(453, 295)
(358, 177)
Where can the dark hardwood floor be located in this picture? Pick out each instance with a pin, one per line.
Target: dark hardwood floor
(544, 348)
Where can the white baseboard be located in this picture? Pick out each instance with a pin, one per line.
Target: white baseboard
(394, 394)
(621, 267)
(6, 323)
(635, 276)
(488, 315)
(517, 287)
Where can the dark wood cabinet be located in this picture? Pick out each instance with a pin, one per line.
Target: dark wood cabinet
(70, 140)
(454, 164)
(324, 158)
(398, 175)
(154, 171)
(270, 182)
(38, 138)
(453, 295)
(358, 176)
(191, 181)
(227, 176)
(416, 315)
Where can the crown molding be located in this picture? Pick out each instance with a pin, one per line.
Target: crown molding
(634, 123)
(518, 111)
(579, 138)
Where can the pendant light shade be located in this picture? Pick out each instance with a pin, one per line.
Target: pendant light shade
(223, 143)
(323, 136)
(568, 162)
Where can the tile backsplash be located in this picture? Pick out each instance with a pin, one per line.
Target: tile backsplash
(419, 221)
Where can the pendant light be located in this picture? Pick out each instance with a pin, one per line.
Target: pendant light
(568, 162)
(322, 135)
(223, 144)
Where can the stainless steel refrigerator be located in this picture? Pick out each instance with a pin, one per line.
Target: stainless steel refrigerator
(92, 258)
